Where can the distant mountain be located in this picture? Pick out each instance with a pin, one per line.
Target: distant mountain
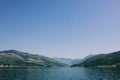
(68, 61)
(17, 58)
(101, 60)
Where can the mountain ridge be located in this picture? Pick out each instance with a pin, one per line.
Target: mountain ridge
(68, 61)
(17, 58)
(102, 60)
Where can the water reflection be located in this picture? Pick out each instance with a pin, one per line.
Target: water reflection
(13, 73)
(59, 74)
(102, 73)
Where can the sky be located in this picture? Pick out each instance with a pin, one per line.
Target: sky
(60, 28)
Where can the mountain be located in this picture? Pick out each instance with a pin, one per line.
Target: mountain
(68, 61)
(101, 60)
(85, 58)
(17, 58)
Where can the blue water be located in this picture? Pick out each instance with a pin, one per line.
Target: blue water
(64, 73)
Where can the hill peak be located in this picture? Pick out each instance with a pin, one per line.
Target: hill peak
(10, 51)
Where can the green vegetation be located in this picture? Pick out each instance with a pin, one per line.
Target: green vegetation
(17, 58)
(102, 60)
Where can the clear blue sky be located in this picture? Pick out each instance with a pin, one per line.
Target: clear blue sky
(60, 28)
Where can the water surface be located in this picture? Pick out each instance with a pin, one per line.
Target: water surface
(64, 73)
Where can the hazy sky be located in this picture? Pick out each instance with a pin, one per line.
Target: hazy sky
(60, 28)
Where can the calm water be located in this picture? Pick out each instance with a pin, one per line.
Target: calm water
(59, 74)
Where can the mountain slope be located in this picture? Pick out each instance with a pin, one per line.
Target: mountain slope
(102, 60)
(17, 58)
(68, 61)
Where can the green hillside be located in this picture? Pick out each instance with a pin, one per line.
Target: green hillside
(102, 60)
(17, 58)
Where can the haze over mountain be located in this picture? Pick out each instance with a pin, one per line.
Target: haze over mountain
(17, 58)
(68, 61)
